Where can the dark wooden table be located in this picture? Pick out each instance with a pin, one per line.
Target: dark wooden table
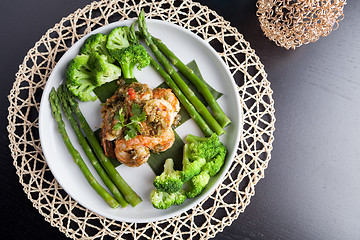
(311, 188)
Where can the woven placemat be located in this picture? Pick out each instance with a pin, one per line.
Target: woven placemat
(207, 218)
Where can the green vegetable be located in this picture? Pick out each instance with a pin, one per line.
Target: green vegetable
(130, 57)
(214, 165)
(91, 68)
(170, 180)
(210, 149)
(118, 39)
(87, 149)
(123, 46)
(86, 72)
(206, 147)
(197, 184)
(133, 127)
(56, 112)
(164, 200)
(120, 183)
(191, 166)
(96, 43)
(204, 127)
(200, 107)
(103, 70)
(200, 86)
(79, 78)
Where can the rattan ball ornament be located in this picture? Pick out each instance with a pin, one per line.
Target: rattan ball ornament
(292, 23)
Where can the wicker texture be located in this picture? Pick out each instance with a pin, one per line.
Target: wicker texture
(210, 216)
(291, 24)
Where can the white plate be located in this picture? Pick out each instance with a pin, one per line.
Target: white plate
(187, 46)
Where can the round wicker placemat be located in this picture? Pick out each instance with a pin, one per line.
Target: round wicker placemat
(207, 218)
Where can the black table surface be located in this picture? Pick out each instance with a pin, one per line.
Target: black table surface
(311, 188)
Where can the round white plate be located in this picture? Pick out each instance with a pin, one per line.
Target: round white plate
(187, 46)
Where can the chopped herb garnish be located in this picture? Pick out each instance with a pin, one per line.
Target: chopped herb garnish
(133, 127)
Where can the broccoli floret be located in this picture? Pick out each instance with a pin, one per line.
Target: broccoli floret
(206, 147)
(164, 200)
(118, 39)
(79, 78)
(96, 44)
(103, 71)
(191, 166)
(131, 56)
(209, 148)
(197, 184)
(124, 47)
(213, 165)
(170, 180)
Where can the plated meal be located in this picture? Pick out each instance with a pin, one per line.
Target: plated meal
(130, 101)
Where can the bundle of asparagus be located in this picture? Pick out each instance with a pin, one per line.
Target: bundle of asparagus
(106, 170)
(196, 109)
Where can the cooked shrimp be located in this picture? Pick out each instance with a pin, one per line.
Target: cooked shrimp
(133, 157)
(109, 110)
(138, 92)
(168, 95)
(155, 133)
(163, 109)
(136, 151)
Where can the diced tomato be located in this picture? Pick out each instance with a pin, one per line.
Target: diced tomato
(132, 94)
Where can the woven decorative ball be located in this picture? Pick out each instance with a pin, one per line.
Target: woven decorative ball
(292, 23)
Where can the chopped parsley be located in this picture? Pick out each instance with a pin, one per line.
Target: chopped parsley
(133, 127)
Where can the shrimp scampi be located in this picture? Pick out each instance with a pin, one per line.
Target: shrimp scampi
(155, 134)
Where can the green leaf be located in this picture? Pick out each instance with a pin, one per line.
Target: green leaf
(131, 131)
(121, 117)
(156, 161)
(118, 126)
(106, 90)
(135, 110)
(142, 117)
(138, 114)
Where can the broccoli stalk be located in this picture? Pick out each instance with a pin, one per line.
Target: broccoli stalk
(164, 200)
(170, 180)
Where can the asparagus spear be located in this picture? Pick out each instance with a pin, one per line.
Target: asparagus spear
(182, 98)
(87, 149)
(56, 111)
(120, 183)
(200, 86)
(200, 107)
